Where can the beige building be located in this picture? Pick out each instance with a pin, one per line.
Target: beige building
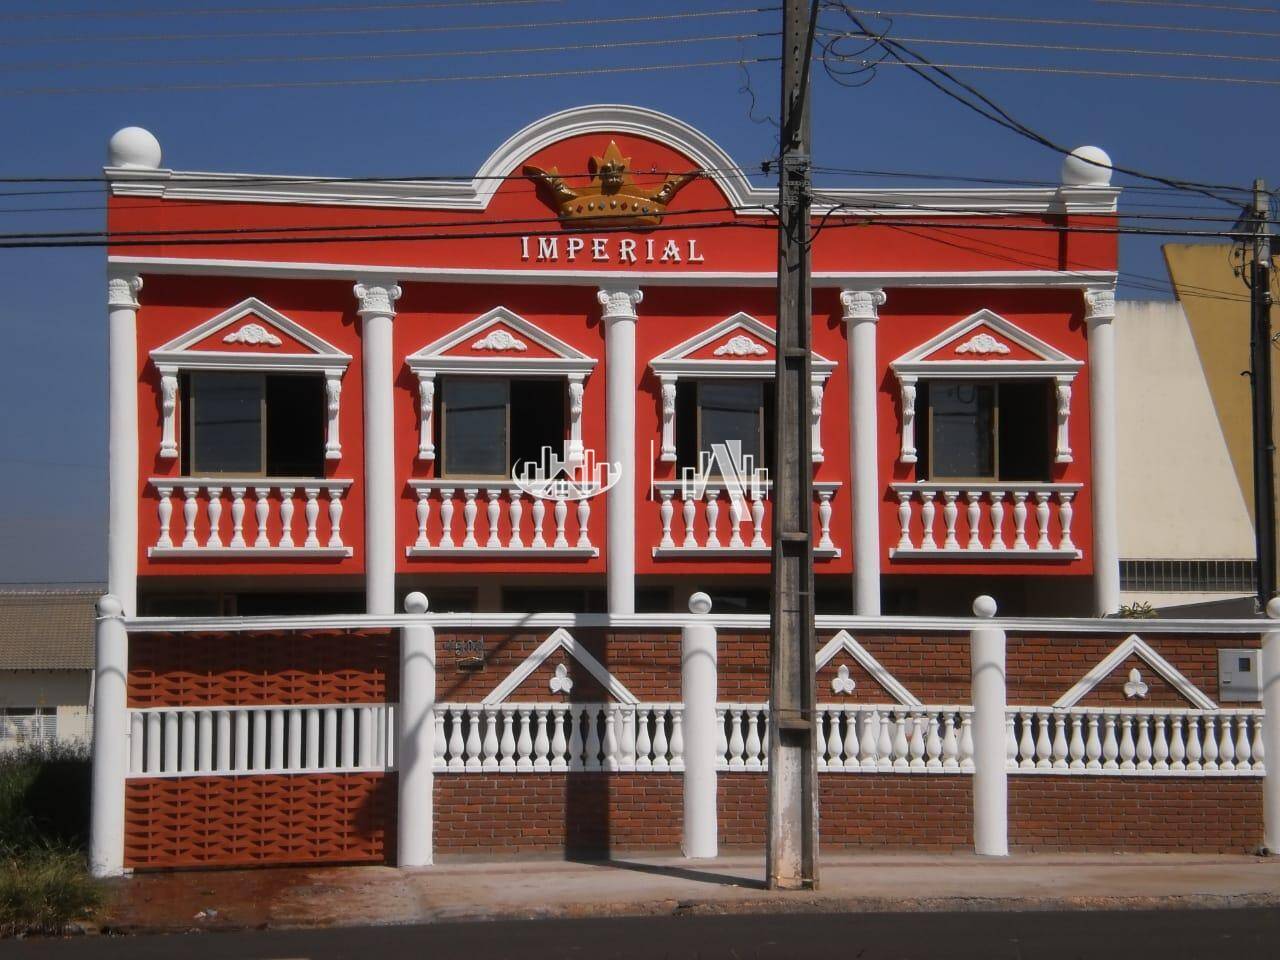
(46, 665)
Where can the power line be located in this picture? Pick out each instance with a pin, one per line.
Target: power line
(1109, 74)
(381, 81)
(153, 12)
(1075, 48)
(385, 31)
(1225, 8)
(1054, 22)
(362, 57)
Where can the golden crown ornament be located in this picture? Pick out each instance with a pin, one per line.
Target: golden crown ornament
(612, 197)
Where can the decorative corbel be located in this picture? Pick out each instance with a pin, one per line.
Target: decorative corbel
(576, 452)
(169, 409)
(668, 420)
(908, 386)
(333, 398)
(426, 416)
(816, 389)
(1064, 415)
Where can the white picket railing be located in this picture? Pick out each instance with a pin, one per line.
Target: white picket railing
(988, 521)
(1135, 741)
(540, 737)
(249, 516)
(861, 738)
(513, 520)
(723, 524)
(204, 741)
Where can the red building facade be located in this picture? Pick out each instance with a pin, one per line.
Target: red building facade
(329, 382)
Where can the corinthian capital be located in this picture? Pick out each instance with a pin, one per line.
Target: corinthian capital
(619, 302)
(377, 298)
(862, 304)
(1100, 303)
(122, 291)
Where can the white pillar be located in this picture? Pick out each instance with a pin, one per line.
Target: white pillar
(620, 424)
(377, 310)
(122, 439)
(698, 686)
(861, 313)
(990, 777)
(110, 740)
(1270, 680)
(1100, 313)
(415, 746)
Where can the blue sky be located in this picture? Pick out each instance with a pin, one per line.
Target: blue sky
(52, 374)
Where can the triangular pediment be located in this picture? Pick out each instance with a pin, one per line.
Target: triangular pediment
(735, 346)
(1134, 646)
(986, 339)
(844, 643)
(248, 335)
(560, 640)
(500, 339)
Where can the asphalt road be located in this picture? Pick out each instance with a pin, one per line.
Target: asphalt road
(1165, 934)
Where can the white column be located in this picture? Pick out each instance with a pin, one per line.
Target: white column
(122, 439)
(1270, 680)
(990, 778)
(415, 746)
(110, 740)
(377, 310)
(698, 687)
(620, 423)
(861, 313)
(1100, 312)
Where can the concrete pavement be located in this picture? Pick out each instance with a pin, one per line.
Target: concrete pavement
(652, 885)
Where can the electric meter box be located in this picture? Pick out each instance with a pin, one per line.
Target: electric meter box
(1238, 678)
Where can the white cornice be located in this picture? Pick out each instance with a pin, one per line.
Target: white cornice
(301, 270)
(705, 153)
(676, 361)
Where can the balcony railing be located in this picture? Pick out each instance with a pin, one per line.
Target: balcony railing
(724, 524)
(986, 521)
(497, 518)
(249, 517)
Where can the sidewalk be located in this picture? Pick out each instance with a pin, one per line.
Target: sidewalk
(475, 889)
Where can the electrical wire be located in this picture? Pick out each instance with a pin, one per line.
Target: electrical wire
(1107, 74)
(154, 12)
(1075, 48)
(1056, 22)
(1216, 7)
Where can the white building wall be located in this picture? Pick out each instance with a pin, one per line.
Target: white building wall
(1179, 498)
(67, 690)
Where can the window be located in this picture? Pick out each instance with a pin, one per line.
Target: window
(987, 430)
(28, 725)
(253, 424)
(723, 410)
(490, 426)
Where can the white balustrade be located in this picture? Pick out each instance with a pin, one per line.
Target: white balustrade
(556, 737)
(1135, 741)
(219, 741)
(249, 516)
(479, 517)
(857, 738)
(991, 520)
(726, 524)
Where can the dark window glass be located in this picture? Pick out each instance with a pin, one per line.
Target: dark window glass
(226, 413)
(1026, 430)
(475, 426)
(731, 410)
(537, 419)
(962, 417)
(296, 421)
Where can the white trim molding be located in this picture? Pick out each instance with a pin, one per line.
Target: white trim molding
(746, 354)
(1135, 646)
(561, 639)
(500, 340)
(178, 354)
(844, 642)
(971, 338)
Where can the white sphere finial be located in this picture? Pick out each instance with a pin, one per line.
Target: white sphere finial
(1273, 608)
(700, 603)
(133, 147)
(984, 607)
(1086, 167)
(415, 602)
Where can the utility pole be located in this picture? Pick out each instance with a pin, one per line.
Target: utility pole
(792, 857)
(1264, 477)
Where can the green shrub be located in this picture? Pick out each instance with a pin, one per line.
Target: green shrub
(44, 797)
(44, 890)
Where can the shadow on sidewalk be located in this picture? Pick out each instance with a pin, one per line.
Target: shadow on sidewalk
(677, 873)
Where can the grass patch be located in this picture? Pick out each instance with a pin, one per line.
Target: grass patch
(44, 828)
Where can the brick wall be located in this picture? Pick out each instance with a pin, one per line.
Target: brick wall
(1163, 815)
